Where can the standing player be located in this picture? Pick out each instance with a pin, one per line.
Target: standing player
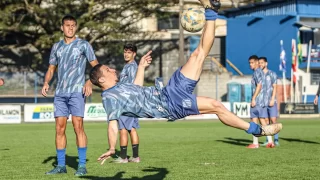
(1, 82)
(70, 56)
(128, 124)
(259, 102)
(271, 91)
(174, 101)
(315, 101)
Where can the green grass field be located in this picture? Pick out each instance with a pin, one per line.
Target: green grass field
(179, 150)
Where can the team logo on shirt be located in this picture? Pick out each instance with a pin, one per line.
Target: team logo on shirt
(160, 109)
(186, 103)
(268, 78)
(59, 52)
(75, 52)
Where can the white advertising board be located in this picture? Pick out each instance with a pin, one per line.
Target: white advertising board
(241, 109)
(10, 114)
(94, 112)
(38, 113)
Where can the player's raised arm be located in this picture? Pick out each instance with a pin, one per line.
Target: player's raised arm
(145, 61)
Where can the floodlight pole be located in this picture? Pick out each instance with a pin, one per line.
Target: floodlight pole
(181, 36)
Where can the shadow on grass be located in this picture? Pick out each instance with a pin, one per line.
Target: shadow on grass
(71, 161)
(236, 141)
(5, 149)
(161, 173)
(298, 140)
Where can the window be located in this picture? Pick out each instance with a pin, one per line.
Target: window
(169, 21)
(315, 77)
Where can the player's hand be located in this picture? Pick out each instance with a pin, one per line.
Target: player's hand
(45, 89)
(87, 89)
(271, 104)
(315, 101)
(145, 61)
(253, 103)
(106, 156)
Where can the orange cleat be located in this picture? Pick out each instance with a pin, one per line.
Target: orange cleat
(253, 146)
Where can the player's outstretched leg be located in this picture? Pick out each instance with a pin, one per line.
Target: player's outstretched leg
(211, 106)
(193, 68)
(211, 4)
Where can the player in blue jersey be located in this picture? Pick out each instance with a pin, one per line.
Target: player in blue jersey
(259, 102)
(70, 56)
(316, 98)
(270, 93)
(257, 111)
(173, 101)
(128, 124)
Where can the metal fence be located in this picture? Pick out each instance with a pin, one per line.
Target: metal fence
(23, 84)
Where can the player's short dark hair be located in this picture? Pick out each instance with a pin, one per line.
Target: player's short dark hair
(95, 74)
(68, 17)
(130, 47)
(264, 59)
(254, 57)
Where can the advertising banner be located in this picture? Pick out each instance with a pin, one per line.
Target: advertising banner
(298, 108)
(38, 113)
(241, 109)
(94, 112)
(10, 114)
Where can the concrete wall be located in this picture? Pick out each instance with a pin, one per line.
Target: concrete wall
(213, 84)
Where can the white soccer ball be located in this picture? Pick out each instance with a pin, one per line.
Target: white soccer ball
(193, 19)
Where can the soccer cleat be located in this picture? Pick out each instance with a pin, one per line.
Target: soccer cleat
(211, 4)
(270, 145)
(135, 160)
(269, 130)
(82, 170)
(120, 160)
(264, 144)
(253, 146)
(276, 142)
(58, 170)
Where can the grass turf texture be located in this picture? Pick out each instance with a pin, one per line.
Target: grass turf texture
(179, 150)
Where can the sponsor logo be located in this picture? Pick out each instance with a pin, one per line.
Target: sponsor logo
(186, 103)
(7, 112)
(10, 114)
(96, 111)
(43, 112)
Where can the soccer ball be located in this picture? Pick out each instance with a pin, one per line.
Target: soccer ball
(192, 19)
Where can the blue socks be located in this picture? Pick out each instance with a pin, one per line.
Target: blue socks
(211, 15)
(276, 137)
(82, 153)
(254, 128)
(61, 156)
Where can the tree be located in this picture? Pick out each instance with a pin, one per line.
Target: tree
(29, 28)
